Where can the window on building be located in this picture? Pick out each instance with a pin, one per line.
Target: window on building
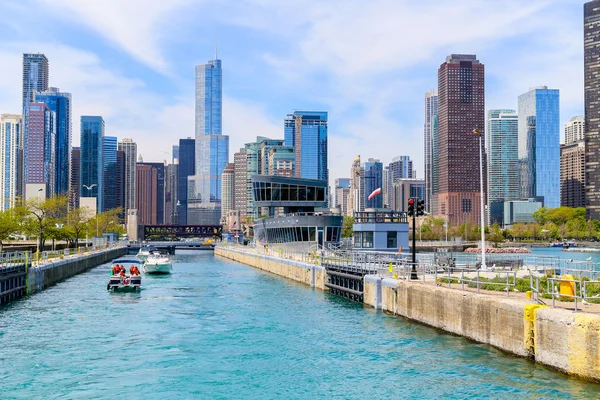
(358, 239)
(392, 240)
(367, 240)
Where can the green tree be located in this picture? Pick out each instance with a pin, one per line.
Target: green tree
(76, 224)
(8, 226)
(348, 226)
(541, 215)
(43, 215)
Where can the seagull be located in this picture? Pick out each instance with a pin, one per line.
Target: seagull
(90, 187)
(588, 259)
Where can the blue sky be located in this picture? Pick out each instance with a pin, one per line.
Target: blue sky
(368, 63)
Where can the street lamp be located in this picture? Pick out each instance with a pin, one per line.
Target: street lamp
(479, 133)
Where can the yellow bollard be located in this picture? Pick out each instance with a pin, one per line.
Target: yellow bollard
(528, 294)
(567, 288)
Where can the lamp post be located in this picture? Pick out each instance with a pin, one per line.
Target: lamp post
(483, 265)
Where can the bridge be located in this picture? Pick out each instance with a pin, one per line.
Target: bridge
(170, 246)
(170, 232)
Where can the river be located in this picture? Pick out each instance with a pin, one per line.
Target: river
(218, 329)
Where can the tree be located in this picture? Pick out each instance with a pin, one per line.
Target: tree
(76, 222)
(541, 215)
(8, 225)
(348, 227)
(43, 215)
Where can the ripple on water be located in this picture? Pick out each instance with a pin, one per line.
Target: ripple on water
(217, 329)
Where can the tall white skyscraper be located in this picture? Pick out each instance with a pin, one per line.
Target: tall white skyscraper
(430, 139)
(11, 148)
(574, 129)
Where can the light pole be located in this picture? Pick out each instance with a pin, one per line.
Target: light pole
(478, 133)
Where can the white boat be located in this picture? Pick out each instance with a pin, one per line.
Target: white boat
(145, 252)
(131, 281)
(157, 263)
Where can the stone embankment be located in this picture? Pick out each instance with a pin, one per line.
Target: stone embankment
(500, 250)
(558, 338)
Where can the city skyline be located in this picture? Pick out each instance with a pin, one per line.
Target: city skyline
(141, 81)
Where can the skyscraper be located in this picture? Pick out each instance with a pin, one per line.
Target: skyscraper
(539, 145)
(212, 147)
(75, 177)
(160, 190)
(38, 148)
(187, 163)
(146, 188)
(572, 174)
(60, 103)
(120, 182)
(110, 187)
(355, 198)
(228, 182)
(401, 167)
(591, 42)
(373, 178)
(175, 153)
(575, 129)
(171, 191)
(35, 77)
(129, 149)
(503, 156)
(461, 109)
(240, 189)
(306, 131)
(342, 192)
(92, 159)
(10, 154)
(431, 150)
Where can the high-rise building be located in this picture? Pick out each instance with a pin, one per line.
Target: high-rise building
(187, 164)
(539, 145)
(35, 76)
(228, 182)
(160, 190)
(109, 188)
(240, 189)
(373, 178)
(120, 182)
(431, 141)
(175, 153)
(401, 167)
(75, 177)
(306, 131)
(129, 149)
(92, 159)
(503, 156)
(356, 199)
(11, 136)
(575, 129)
(60, 103)
(281, 161)
(342, 192)
(591, 42)
(386, 187)
(572, 174)
(38, 148)
(171, 192)
(403, 190)
(146, 193)
(212, 147)
(461, 110)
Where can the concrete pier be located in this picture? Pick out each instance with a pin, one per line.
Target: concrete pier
(557, 338)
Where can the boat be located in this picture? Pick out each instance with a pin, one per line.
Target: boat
(145, 252)
(557, 244)
(130, 279)
(158, 263)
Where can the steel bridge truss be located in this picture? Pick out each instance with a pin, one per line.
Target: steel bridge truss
(183, 231)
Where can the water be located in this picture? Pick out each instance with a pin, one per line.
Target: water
(217, 329)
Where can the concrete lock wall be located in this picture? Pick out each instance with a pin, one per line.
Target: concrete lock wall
(308, 274)
(42, 276)
(558, 338)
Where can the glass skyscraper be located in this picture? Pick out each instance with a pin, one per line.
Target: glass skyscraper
(503, 156)
(109, 190)
(60, 103)
(306, 131)
(431, 149)
(187, 162)
(38, 148)
(539, 145)
(92, 159)
(10, 149)
(373, 178)
(212, 147)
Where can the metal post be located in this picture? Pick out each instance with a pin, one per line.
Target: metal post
(483, 266)
(413, 274)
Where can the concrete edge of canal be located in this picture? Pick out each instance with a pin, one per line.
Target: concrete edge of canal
(557, 338)
(21, 279)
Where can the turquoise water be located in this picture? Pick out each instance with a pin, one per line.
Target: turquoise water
(217, 329)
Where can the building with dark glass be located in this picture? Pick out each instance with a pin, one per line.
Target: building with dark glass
(306, 131)
(591, 74)
(92, 159)
(60, 103)
(373, 178)
(75, 177)
(187, 162)
(431, 149)
(461, 109)
(303, 223)
(109, 189)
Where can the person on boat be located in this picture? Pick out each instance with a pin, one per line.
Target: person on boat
(115, 269)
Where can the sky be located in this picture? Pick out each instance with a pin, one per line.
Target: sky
(368, 63)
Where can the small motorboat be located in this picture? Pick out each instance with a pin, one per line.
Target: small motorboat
(158, 263)
(125, 275)
(145, 252)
